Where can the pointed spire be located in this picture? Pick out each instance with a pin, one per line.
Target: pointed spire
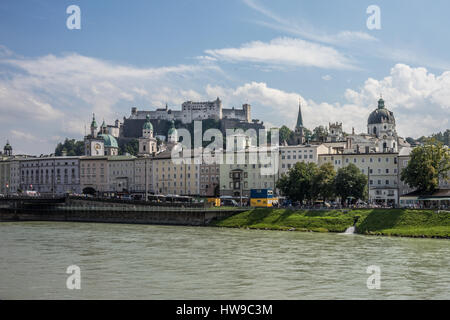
(299, 117)
(93, 123)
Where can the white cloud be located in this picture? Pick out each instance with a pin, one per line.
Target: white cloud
(357, 42)
(285, 51)
(327, 77)
(56, 95)
(25, 136)
(419, 99)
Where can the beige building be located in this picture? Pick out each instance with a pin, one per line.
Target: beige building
(143, 174)
(209, 179)
(244, 171)
(380, 168)
(173, 178)
(121, 174)
(94, 173)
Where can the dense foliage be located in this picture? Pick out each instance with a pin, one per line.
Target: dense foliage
(131, 147)
(427, 165)
(308, 182)
(71, 146)
(350, 182)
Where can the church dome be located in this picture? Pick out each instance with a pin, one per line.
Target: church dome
(7, 147)
(381, 115)
(172, 129)
(148, 125)
(110, 141)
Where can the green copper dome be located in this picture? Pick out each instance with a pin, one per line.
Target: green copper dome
(7, 147)
(172, 129)
(148, 125)
(110, 141)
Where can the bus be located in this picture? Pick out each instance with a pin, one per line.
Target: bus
(262, 198)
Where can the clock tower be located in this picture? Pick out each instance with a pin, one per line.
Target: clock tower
(93, 144)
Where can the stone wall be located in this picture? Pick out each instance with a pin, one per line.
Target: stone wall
(116, 214)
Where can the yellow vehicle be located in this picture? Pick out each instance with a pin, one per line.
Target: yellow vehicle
(214, 201)
(262, 198)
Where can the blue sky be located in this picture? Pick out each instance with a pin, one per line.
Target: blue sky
(267, 53)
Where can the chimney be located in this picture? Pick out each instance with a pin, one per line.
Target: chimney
(349, 143)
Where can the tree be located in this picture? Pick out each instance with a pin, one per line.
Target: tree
(410, 140)
(350, 183)
(320, 134)
(427, 165)
(297, 183)
(217, 191)
(71, 146)
(323, 182)
(308, 134)
(284, 134)
(130, 147)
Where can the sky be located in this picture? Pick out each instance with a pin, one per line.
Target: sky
(270, 54)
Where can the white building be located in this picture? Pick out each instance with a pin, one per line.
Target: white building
(290, 155)
(380, 168)
(192, 111)
(48, 175)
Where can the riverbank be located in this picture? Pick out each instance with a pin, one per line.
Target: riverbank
(386, 222)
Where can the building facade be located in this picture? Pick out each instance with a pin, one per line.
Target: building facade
(192, 111)
(381, 170)
(245, 170)
(50, 175)
(121, 174)
(290, 155)
(176, 177)
(94, 173)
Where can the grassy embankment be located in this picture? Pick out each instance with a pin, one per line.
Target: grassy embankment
(388, 222)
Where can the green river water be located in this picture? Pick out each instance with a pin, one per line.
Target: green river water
(171, 262)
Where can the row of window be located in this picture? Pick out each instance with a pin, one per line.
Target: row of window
(379, 182)
(47, 164)
(295, 151)
(363, 160)
(294, 157)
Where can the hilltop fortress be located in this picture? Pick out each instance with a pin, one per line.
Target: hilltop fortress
(191, 111)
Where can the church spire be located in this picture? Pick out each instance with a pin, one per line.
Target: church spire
(299, 117)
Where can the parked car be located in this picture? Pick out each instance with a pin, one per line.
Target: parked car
(229, 203)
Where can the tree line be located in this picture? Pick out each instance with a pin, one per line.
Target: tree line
(308, 182)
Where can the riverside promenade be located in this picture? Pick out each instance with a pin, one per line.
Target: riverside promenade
(110, 211)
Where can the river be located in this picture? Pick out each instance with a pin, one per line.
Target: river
(168, 262)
